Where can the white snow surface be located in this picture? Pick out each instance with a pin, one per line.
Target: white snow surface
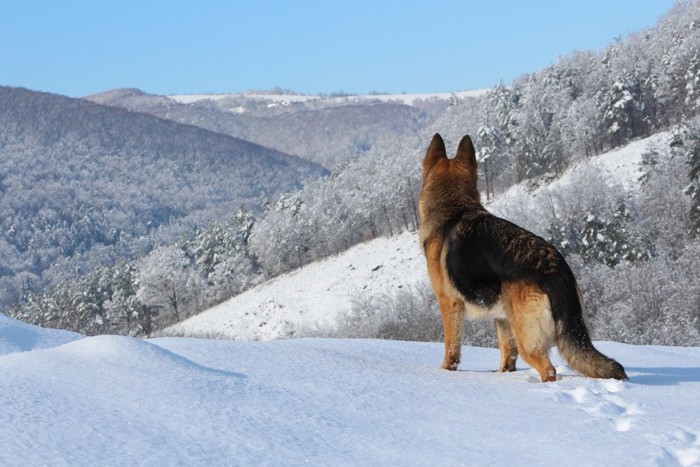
(111, 400)
(407, 99)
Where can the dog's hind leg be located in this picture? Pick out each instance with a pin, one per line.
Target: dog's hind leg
(530, 318)
(507, 345)
(538, 358)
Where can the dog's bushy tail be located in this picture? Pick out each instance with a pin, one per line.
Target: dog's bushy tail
(572, 337)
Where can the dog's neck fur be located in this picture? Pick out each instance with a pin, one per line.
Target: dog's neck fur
(446, 199)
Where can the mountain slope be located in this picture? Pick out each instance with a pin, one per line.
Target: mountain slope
(285, 99)
(297, 302)
(119, 400)
(75, 175)
(327, 131)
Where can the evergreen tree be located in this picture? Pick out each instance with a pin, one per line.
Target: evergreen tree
(693, 189)
(608, 240)
(624, 107)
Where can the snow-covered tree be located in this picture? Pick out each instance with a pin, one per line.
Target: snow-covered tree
(623, 106)
(608, 240)
(169, 283)
(690, 149)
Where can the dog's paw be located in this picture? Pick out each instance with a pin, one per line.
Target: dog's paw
(450, 366)
(507, 368)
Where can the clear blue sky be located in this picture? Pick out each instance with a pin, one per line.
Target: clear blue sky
(80, 47)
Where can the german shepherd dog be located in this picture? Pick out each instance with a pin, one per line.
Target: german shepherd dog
(487, 267)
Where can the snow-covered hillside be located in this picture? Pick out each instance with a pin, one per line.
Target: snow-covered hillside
(109, 400)
(407, 99)
(310, 299)
(620, 167)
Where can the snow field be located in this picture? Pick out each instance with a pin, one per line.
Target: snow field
(123, 401)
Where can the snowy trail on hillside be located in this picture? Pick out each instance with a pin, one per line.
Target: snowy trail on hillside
(123, 401)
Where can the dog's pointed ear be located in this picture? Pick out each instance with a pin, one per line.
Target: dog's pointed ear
(466, 153)
(436, 152)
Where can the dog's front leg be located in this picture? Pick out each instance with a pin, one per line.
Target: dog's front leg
(451, 307)
(453, 322)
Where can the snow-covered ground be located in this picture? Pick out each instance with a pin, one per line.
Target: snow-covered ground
(109, 400)
(407, 99)
(310, 299)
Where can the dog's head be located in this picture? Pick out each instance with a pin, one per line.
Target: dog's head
(449, 183)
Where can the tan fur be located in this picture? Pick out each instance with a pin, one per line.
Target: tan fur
(507, 345)
(451, 305)
(530, 318)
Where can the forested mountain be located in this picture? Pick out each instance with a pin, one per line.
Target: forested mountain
(324, 130)
(84, 184)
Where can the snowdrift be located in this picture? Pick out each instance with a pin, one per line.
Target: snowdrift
(119, 400)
